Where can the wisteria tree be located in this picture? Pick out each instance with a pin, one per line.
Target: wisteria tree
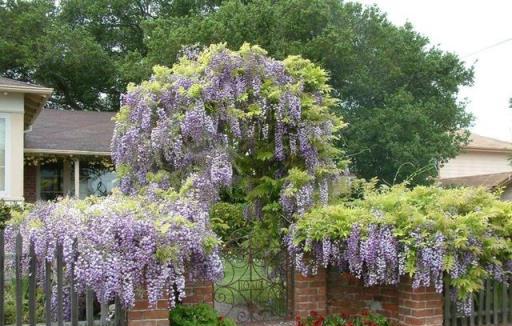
(232, 125)
(244, 131)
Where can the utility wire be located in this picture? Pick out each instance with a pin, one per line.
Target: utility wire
(487, 48)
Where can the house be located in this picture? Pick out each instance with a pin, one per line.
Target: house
(483, 162)
(46, 153)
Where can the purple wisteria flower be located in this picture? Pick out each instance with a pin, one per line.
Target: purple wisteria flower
(191, 120)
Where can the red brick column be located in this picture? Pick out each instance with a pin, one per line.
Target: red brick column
(30, 183)
(310, 293)
(199, 292)
(418, 307)
(142, 315)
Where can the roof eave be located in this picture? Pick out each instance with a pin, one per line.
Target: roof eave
(488, 150)
(27, 89)
(65, 152)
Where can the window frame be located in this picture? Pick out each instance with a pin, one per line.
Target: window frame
(8, 156)
(39, 190)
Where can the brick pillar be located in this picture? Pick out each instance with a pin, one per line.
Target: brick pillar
(310, 293)
(142, 315)
(30, 183)
(419, 307)
(199, 292)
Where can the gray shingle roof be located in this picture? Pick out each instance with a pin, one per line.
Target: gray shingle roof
(486, 143)
(7, 83)
(485, 180)
(73, 131)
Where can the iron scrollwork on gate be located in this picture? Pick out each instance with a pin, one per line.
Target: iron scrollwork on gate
(253, 288)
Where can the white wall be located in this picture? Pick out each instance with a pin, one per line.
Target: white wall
(476, 163)
(12, 107)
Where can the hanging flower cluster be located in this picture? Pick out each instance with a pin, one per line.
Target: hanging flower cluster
(428, 234)
(216, 109)
(180, 138)
(116, 244)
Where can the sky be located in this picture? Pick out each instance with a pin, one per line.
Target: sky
(466, 27)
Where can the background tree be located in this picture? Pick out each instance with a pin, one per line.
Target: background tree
(399, 94)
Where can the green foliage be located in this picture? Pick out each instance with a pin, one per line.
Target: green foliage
(71, 59)
(228, 222)
(8, 211)
(10, 303)
(199, 314)
(5, 213)
(399, 93)
(471, 220)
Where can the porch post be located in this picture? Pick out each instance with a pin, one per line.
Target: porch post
(77, 177)
(66, 177)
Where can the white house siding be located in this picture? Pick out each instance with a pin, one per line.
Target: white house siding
(12, 107)
(476, 163)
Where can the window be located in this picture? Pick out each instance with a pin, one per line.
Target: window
(3, 148)
(57, 179)
(51, 181)
(95, 180)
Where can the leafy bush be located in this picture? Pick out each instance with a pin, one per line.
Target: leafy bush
(427, 233)
(199, 314)
(10, 302)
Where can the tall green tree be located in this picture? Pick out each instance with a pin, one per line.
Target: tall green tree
(21, 25)
(88, 51)
(398, 93)
(37, 46)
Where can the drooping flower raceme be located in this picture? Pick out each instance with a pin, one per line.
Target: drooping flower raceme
(118, 244)
(430, 234)
(217, 107)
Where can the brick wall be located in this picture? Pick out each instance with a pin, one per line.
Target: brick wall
(30, 183)
(330, 292)
(310, 294)
(142, 315)
(347, 295)
(422, 306)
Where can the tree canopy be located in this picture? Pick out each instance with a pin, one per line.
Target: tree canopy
(398, 92)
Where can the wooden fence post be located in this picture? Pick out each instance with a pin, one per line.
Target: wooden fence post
(2, 275)
(19, 284)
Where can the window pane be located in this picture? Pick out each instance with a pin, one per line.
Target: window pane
(51, 181)
(95, 180)
(2, 154)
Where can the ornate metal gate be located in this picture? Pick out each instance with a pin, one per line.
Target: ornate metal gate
(255, 286)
